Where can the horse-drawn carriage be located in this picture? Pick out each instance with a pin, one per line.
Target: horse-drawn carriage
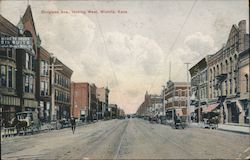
(26, 122)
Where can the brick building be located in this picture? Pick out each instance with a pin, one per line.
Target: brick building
(84, 100)
(176, 97)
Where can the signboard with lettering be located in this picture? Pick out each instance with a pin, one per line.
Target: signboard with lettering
(16, 42)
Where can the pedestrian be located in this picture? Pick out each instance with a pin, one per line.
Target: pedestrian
(73, 124)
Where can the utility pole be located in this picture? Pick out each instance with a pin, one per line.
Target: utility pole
(188, 98)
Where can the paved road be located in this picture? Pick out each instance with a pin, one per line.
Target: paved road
(128, 139)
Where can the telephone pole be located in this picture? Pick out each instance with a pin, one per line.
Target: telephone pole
(188, 98)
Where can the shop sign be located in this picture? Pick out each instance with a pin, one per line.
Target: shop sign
(16, 42)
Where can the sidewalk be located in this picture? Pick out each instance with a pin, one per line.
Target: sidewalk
(234, 128)
(245, 129)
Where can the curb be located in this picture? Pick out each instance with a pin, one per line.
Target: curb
(241, 132)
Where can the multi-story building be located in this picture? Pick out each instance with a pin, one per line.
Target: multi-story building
(223, 75)
(176, 98)
(43, 84)
(244, 58)
(84, 101)
(113, 109)
(103, 98)
(61, 90)
(79, 99)
(151, 106)
(27, 71)
(199, 88)
(9, 100)
(19, 54)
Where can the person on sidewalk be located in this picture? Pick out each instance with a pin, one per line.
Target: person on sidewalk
(73, 124)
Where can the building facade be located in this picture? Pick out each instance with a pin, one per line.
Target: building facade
(199, 89)
(9, 99)
(223, 75)
(44, 84)
(84, 100)
(79, 99)
(103, 98)
(61, 89)
(176, 98)
(244, 58)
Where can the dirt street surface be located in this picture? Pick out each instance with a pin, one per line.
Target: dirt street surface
(127, 139)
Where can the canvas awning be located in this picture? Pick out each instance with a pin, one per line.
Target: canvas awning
(210, 107)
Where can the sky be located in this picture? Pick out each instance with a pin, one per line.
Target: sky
(128, 45)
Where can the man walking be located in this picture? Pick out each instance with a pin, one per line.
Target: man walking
(73, 124)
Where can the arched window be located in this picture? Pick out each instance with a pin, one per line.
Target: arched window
(247, 82)
(226, 63)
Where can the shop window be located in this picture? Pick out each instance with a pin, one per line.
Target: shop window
(3, 76)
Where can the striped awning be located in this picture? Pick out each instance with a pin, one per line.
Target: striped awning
(210, 107)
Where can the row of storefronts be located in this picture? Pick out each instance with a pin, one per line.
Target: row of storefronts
(30, 75)
(220, 82)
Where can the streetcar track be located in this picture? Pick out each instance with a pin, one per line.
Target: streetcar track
(119, 146)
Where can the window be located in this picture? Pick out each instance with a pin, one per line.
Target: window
(10, 53)
(230, 86)
(42, 89)
(46, 89)
(3, 76)
(10, 76)
(26, 83)
(235, 85)
(31, 84)
(247, 82)
(3, 52)
(27, 61)
(42, 65)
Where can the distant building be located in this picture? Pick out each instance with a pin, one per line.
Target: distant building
(84, 102)
(79, 99)
(102, 95)
(113, 109)
(176, 96)
(151, 106)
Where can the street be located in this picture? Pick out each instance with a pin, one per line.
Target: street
(127, 139)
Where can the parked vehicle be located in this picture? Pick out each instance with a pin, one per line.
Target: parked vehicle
(27, 122)
(180, 122)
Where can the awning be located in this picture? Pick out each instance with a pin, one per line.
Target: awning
(210, 107)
